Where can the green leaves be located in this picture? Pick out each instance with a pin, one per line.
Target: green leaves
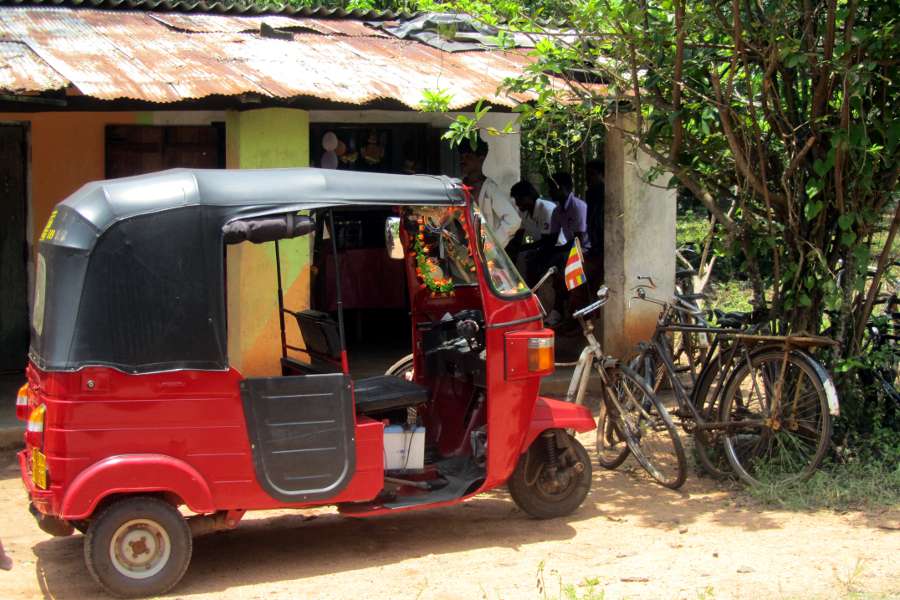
(812, 209)
(437, 100)
(845, 221)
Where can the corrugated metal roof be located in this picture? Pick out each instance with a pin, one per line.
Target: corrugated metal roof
(234, 7)
(22, 71)
(204, 23)
(168, 57)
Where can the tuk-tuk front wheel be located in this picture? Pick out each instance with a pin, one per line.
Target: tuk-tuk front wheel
(553, 477)
(138, 547)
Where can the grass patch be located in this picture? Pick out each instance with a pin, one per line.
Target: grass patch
(589, 589)
(855, 485)
(691, 229)
(731, 295)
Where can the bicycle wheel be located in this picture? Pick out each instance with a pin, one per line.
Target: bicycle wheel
(646, 426)
(403, 368)
(612, 449)
(769, 439)
(708, 448)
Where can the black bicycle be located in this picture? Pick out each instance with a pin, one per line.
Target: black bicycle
(761, 405)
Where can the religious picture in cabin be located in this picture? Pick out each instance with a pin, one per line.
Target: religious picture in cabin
(330, 144)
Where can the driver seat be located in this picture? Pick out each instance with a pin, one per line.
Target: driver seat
(387, 392)
(373, 395)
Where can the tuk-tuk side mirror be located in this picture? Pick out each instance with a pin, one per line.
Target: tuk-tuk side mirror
(392, 237)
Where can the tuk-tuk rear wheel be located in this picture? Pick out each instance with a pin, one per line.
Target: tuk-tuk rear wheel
(138, 547)
(543, 494)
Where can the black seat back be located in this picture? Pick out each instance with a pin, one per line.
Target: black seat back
(321, 337)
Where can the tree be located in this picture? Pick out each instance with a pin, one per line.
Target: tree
(785, 109)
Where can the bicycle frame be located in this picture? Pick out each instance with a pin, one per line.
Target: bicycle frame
(582, 373)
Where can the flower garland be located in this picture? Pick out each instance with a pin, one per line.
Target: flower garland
(426, 266)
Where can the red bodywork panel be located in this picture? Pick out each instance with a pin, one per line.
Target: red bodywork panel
(516, 353)
(182, 432)
(556, 414)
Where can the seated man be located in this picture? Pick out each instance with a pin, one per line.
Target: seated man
(538, 235)
(570, 217)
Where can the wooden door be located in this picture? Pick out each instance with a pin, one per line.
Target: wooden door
(14, 332)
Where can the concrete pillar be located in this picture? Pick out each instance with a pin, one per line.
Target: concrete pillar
(503, 159)
(264, 138)
(640, 240)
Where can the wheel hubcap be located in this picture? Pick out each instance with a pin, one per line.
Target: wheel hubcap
(139, 549)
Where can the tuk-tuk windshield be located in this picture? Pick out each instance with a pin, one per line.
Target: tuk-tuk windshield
(502, 274)
(441, 244)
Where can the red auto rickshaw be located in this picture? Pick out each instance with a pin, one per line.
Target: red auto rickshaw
(135, 418)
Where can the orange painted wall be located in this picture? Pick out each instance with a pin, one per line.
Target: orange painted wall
(67, 151)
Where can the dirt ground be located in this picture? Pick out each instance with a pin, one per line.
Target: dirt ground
(633, 538)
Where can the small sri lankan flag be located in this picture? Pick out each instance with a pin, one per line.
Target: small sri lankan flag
(575, 267)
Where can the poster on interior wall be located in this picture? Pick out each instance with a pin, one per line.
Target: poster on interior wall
(355, 148)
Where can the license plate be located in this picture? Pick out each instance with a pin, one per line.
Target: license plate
(39, 469)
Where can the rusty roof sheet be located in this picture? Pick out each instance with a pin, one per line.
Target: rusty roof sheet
(22, 71)
(206, 23)
(221, 7)
(167, 57)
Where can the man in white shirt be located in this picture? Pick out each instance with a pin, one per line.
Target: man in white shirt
(536, 212)
(497, 207)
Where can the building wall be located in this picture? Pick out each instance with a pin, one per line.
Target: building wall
(265, 138)
(67, 151)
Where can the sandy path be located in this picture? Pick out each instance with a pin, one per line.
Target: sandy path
(637, 539)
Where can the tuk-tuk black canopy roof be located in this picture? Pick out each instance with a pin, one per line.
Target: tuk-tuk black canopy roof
(130, 271)
(255, 191)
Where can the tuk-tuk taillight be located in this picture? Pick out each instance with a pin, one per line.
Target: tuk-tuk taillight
(34, 429)
(540, 354)
(22, 401)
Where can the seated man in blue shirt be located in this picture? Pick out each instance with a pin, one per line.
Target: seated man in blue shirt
(571, 219)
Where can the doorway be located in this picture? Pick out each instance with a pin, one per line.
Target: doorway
(14, 333)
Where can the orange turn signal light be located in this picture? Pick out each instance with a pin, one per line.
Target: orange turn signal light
(540, 354)
(22, 401)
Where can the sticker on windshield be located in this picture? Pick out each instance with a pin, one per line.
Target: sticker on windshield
(49, 232)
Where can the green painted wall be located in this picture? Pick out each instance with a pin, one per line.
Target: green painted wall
(268, 137)
(265, 138)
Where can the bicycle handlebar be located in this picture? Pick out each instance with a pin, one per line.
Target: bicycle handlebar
(578, 314)
(602, 294)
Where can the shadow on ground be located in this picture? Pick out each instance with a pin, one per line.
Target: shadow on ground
(293, 546)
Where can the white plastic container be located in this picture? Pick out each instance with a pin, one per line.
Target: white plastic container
(404, 448)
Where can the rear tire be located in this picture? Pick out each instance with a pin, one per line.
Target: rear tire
(138, 547)
(533, 488)
(791, 442)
